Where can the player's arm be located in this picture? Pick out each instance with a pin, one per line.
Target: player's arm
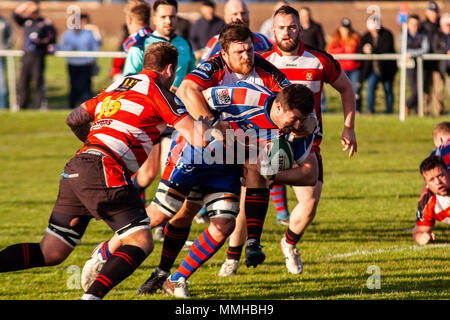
(304, 174)
(191, 94)
(422, 235)
(193, 131)
(79, 121)
(348, 138)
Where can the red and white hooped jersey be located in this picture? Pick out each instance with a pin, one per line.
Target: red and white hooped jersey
(310, 67)
(432, 208)
(129, 117)
(215, 72)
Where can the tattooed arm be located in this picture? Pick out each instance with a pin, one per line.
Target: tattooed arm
(79, 120)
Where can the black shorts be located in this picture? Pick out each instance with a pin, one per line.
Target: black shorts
(83, 193)
(320, 162)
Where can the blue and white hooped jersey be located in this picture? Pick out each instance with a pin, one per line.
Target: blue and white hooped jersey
(246, 107)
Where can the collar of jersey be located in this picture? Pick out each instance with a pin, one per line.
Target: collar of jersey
(150, 73)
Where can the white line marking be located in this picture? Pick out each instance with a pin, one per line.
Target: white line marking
(366, 253)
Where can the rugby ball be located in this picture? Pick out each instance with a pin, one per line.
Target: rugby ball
(279, 156)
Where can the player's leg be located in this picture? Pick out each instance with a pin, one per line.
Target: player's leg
(236, 242)
(222, 208)
(66, 226)
(63, 233)
(170, 201)
(256, 206)
(301, 217)
(136, 245)
(280, 202)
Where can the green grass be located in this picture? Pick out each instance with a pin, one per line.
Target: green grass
(367, 203)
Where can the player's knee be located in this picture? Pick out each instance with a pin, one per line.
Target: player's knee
(141, 238)
(224, 226)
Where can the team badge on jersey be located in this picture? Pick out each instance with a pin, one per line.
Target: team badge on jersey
(180, 108)
(204, 71)
(309, 76)
(127, 84)
(223, 96)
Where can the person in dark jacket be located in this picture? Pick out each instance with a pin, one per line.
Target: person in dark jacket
(417, 44)
(312, 34)
(440, 43)
(432, 79)
(204, 28)
(375, 41)
(38, 36)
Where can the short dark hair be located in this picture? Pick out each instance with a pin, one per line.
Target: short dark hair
(158, 3)
(414, 16)
(286, 10)
(208, 3)
(139, 10)
(432, 162)
(85, 16)
(160, 54)
(234, 32)
(297, 96)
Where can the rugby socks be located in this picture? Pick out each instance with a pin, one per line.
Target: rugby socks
(279, 199)
(118, 267)
(203, 248)
(21, 256)
(256, 205)
(104, 252)
(291, 237)
(234, 253)
(174, 240)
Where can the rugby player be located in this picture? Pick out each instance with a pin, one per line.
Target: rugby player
(424, 214)
(128, 117)
(434, 203)
(248, 108)
(311, 67)
(237, 11)
(164, 20)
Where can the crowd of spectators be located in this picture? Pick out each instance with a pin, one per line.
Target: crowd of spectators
(432, 35)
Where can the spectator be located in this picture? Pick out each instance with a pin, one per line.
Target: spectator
(375, 41)
(234, 11)
(267, 25)
(204, 28)
(38, 36)
(346, 40)
(6, 42)
(80, 68)
(440, 43)
(417, 44)
(312, 34)
(433, 86)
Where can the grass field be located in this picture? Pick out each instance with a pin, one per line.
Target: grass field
(367, 203)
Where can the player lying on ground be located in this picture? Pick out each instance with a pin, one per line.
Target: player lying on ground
(128, 118)
(434, 204)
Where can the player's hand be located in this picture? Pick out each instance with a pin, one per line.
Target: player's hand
(219, 130)
(348, 140)
(425, 237)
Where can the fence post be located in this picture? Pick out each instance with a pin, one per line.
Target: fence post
(401, 108)
(12, 84)
(419, 62)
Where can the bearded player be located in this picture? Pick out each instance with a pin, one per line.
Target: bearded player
(313, 68)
